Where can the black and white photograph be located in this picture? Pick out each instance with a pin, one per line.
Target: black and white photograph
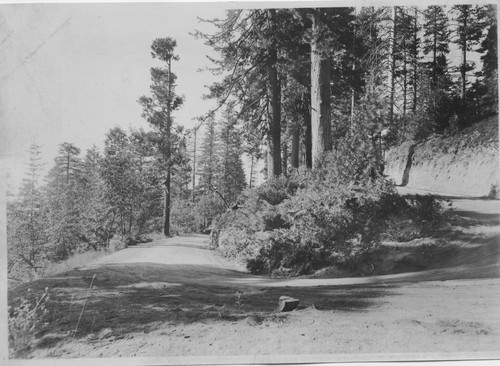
(249, 182)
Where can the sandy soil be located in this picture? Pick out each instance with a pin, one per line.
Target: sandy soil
(174, 298)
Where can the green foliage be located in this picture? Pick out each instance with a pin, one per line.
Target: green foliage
(26, 224)
(412, 216)
(426, 212)
(239, 244)
(209, 157)
(274, 191)
(207, 209)
(97, 216)
(184, 217)
(336, 227)
(488, 92)
(437, 33)
(25, 321)
(157, 110)
(64, 199)
(329, 216)
(282, 253)
(435, 89)
(231, 179)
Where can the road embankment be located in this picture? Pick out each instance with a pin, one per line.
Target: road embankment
(466, 164)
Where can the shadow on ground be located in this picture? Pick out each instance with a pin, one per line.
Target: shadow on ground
(140, 297)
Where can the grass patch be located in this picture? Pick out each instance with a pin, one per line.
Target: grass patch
(75, 261)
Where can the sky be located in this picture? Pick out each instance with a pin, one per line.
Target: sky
(70, 72)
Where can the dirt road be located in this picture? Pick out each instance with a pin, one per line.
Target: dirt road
(174, 298)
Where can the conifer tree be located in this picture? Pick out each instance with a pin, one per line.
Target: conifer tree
(437, 99)
(231, 180)
(489, 73)
(436, 39)
(469, 33)
(209, 157)
(97, 216)
(157, 110)
(64, 201)
(118, 173)
(26, 222)
(249, 44)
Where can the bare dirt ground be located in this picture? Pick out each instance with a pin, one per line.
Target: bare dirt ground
(174, 298)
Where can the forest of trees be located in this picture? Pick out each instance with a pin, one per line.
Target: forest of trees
(298, 88)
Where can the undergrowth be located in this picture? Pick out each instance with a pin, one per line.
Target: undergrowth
(25, 321)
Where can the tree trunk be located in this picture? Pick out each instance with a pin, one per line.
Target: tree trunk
(166, 202)
(320, 97)
(130, 219)
(251, 171)
(274, 134)
(415, 61)
(295, 146)
(405, 81)
(225, 188)
(392, 63)
(284, 159)
(122, 225)
(308, 139)
(194, 164)
(434, 53)
(464, 57)
(353, 92)
(166, 211)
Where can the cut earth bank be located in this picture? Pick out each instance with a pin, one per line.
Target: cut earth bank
(466, 164)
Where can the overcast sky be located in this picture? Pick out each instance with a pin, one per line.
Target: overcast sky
(70, 72)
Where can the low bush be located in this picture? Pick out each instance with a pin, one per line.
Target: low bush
(276, 190)
(413, 216)
(240, 245)
(426, 212)
(25, 321)
(284, 253)
(249, 218)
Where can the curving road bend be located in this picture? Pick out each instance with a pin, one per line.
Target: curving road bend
(188, 259)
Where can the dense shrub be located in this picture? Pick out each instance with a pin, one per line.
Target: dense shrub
(337, 226)
(248, 219)
(426, 212)
(276, 190)
(280, 251)
(329, 225)
(412, 216)
(240, 245)
(293, 226)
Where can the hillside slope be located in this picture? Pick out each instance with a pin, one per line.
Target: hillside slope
(465, 164)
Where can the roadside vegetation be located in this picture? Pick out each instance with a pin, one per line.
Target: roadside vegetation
(312, 220)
